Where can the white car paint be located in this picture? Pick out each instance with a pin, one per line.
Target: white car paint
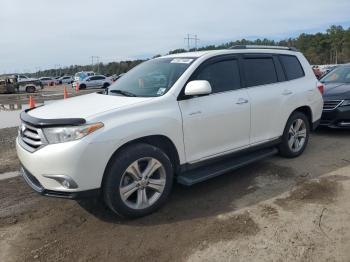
(200, 128)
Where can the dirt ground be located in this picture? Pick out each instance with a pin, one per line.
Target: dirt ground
(274, 210)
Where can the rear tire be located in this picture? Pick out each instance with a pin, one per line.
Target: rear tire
(138, 180)
(295, 136)
(82, 86)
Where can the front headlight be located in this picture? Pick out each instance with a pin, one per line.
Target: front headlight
(56, 135)
(345, 103)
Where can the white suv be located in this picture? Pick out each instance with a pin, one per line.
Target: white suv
(185, 117)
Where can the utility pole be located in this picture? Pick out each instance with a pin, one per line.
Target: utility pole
(188, 41)
(92, 61)
(189, 38)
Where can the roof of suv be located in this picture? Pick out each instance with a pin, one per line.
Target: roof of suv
(239, 49)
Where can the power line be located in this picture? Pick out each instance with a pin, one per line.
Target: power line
(194, 38)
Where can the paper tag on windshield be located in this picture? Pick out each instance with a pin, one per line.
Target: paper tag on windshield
(161, 91)
(181, 60)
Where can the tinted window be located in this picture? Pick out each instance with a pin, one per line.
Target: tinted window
(92, 78)
(259, 71)
(222, 76)
(291, 66)
(100, 77)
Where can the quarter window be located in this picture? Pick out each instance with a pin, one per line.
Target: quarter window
(291, 66)
(222, 76)
(259, 71)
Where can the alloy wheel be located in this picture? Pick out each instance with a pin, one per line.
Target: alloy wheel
(142, 183)
(297, 135)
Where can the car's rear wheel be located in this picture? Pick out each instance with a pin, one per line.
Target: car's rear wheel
(30, 89)
(295, 136)
(82, 86)
(138, 180)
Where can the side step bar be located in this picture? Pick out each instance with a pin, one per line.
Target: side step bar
(204, 173)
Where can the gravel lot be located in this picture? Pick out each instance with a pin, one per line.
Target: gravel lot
(274, 210)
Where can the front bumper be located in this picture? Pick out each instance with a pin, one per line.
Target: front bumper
(337, 118)
(81, 161)
(36, 186)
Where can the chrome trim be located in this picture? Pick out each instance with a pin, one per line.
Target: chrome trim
(336, 105)
(61, 178)
(31, 138)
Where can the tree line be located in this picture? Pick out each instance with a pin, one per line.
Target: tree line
(330, 47)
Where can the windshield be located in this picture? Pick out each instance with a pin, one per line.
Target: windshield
(338, 75)
(152, 78)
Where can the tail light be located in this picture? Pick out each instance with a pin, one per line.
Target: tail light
(320, 88)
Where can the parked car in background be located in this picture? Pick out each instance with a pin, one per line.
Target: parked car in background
(7, 84)
(47, 81)
(27, 84)
(95, 81)
(65, 80)
(198, 115)
(24, 78)
(336, 109)
(82, 75)
(317, 71)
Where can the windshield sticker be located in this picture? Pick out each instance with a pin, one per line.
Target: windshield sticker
(181, 60)
(161, 91)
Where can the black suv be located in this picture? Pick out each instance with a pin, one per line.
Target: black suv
(336, 109)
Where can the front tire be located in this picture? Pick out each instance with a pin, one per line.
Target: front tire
(138, 180)
(295, 136)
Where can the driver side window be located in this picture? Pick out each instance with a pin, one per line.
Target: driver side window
(222, 75)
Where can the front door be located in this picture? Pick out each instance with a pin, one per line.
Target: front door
(218, 123)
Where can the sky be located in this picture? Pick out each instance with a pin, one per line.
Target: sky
(41, 34)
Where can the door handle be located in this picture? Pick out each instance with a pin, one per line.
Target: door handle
(287, 92)
(241, 101)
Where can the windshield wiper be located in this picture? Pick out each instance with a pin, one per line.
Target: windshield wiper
(122, 92)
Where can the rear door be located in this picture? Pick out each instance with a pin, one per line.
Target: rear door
(218, 123)
(263, 77)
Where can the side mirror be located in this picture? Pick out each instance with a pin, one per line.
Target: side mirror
(197, 88)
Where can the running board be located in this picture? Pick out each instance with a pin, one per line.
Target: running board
(204, 173)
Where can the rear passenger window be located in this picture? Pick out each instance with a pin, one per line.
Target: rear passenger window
(291, 67)
(222, 76)
(259, 71)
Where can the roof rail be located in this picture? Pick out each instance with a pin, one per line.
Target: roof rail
(264, 47)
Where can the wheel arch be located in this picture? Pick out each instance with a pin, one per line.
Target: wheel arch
(161, 141)
(307, 111)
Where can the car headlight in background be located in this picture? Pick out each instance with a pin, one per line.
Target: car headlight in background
(345, 103)
(56, 135)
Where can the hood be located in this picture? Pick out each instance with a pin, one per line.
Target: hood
(84, 106)
(337, 90)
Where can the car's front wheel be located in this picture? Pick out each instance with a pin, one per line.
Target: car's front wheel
(138, 180)
(295, 136)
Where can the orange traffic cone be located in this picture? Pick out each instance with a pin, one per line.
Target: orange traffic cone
(76, 87)
(65, 93)
(31, 102)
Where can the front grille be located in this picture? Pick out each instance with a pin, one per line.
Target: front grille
(31, 137)
(331, 104)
